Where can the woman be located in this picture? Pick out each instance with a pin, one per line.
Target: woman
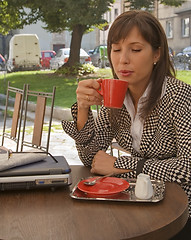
(154, 124)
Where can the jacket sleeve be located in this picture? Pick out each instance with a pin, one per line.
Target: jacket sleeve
(178, 168)
(94, 136)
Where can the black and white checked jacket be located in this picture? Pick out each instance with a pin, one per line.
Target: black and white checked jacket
(165, 142)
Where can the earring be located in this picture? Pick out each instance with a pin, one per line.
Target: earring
(154, 63)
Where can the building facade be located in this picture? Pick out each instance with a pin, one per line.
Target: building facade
(116, 10)
(176, 23)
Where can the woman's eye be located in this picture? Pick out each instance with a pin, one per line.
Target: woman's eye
(136, 50)
(116, 50)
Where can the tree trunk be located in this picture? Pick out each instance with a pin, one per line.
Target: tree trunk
(75, 45)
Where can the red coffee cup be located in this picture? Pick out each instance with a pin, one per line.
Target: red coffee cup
(113, 92)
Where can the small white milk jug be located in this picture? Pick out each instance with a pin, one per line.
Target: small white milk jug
(143, 187)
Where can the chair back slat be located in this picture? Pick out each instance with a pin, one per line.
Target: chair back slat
(16, 114)
(17, 95)
(39, 120)
(40, 139)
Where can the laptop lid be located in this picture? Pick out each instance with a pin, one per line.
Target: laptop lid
(43, 167)
(45, 173)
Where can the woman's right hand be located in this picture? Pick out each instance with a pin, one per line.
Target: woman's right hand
(87, 94)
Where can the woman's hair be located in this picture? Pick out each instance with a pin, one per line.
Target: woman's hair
(152, 31)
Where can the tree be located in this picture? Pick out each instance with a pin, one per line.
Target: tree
(77, 16)
(13, 15)
(9, 18)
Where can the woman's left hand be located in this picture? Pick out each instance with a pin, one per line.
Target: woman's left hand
(103, 164)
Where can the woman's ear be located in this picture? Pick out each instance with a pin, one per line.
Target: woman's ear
(157, 55)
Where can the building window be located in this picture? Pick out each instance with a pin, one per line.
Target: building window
(116, 13)
(169, 30)
(110, 19)
(185, 27)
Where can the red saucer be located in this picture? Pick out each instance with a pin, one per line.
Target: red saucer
(104, 186)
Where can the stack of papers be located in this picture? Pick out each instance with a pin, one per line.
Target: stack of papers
(9, 160)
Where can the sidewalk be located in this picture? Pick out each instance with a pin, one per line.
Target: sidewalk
(60, 142)
(63, 144)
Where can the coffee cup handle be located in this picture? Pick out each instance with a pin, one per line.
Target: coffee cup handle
(100, 90)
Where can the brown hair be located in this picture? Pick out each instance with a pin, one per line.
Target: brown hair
(153, 33)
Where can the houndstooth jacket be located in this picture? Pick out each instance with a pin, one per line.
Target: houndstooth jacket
(165, 144)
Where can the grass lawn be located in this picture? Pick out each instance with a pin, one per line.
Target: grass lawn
(65, 87)
(44, 81)
(184, 76)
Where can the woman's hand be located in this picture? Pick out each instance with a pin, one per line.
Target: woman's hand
(87, 94)
(103, 164)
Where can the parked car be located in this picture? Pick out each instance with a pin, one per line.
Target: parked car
(46, 56)
(99, 56)
(62, 56)
(2, 62)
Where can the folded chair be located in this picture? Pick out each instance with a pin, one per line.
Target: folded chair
(16, 96)
(41, 99)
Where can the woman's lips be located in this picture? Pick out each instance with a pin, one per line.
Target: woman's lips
(125, 73)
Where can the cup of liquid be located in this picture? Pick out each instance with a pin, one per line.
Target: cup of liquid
(113, 92)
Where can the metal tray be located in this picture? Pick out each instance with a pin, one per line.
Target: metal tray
(125, 196)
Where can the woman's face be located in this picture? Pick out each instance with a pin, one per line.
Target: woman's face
(133, 59)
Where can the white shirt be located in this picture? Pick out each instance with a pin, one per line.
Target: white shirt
(136, 121)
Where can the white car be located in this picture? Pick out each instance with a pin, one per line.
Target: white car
(62, 56)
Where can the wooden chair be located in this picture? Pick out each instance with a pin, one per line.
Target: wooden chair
(39, 121)
(17, 96)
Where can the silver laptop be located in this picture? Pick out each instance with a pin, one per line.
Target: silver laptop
(51, 172)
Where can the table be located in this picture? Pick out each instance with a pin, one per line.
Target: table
(54, 215)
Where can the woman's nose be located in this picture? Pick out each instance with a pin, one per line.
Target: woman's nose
(124, 57)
